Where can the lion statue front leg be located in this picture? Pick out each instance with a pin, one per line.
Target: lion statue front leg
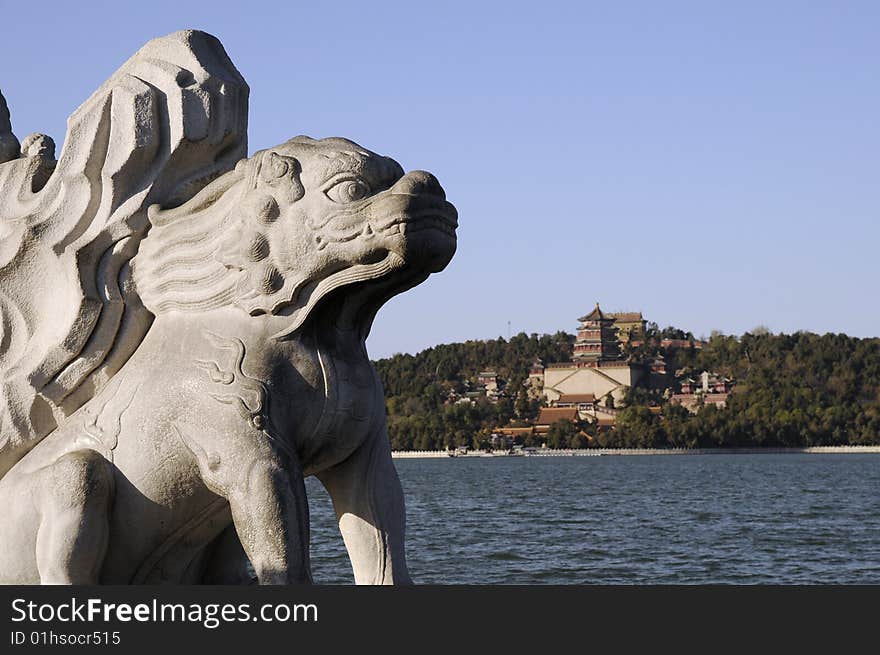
(265, 489)
(369, 505)
(271, 518)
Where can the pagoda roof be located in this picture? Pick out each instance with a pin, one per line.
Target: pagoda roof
(626, 317)
(595, 315)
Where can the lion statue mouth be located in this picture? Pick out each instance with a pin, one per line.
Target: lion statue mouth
(411, 219)
(426, 219)
(427, 208)
(404, 232)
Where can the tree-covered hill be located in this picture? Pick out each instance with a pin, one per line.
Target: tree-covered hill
(791, 390)
(418, 388)
(797, 389)
(453, 365)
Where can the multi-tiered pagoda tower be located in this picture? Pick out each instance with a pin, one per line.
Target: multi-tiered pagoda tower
(596, 338)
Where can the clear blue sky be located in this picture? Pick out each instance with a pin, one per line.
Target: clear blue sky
(714, 165)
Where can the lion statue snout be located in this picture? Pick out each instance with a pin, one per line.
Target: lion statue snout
(418, 221)
(417, 183)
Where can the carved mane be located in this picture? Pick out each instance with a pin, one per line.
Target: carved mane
(177, 267)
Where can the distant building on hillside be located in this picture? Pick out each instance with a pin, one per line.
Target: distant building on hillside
(630, 326)
(597, 367)
(535, 382)
(601, 379)
(585, 403)
(489, 379)
(711, 389)
(708, 383)
(579, 400)
(537, 368)
(657, 365)
(693, 401)
(596, 338)
(600, 334)
(550, 415)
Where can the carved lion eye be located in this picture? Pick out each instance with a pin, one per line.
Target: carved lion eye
(348, 191)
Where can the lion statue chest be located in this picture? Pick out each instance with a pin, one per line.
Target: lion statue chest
(205, 387)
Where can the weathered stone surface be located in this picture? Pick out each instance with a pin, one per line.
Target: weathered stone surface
(183, 335)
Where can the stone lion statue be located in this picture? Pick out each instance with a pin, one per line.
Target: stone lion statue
(183, 336)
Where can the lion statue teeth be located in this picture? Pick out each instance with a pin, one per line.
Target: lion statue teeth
(183, 330)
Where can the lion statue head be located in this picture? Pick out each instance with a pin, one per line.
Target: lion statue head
(291, 224)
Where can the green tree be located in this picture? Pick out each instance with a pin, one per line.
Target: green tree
(560, 434)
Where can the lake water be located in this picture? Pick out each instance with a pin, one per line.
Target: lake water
(702, 519)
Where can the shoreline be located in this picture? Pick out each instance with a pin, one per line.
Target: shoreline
(594, 452)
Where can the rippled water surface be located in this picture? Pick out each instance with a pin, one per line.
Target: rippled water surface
(746, 519)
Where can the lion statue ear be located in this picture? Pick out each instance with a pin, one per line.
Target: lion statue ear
(278, 175)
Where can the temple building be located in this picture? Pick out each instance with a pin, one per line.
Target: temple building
(490, 382)
(535, 382)
(596, 338)
(584, 403)
(597, 368)
(630, 326)
(600, 334)
(711, 389)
